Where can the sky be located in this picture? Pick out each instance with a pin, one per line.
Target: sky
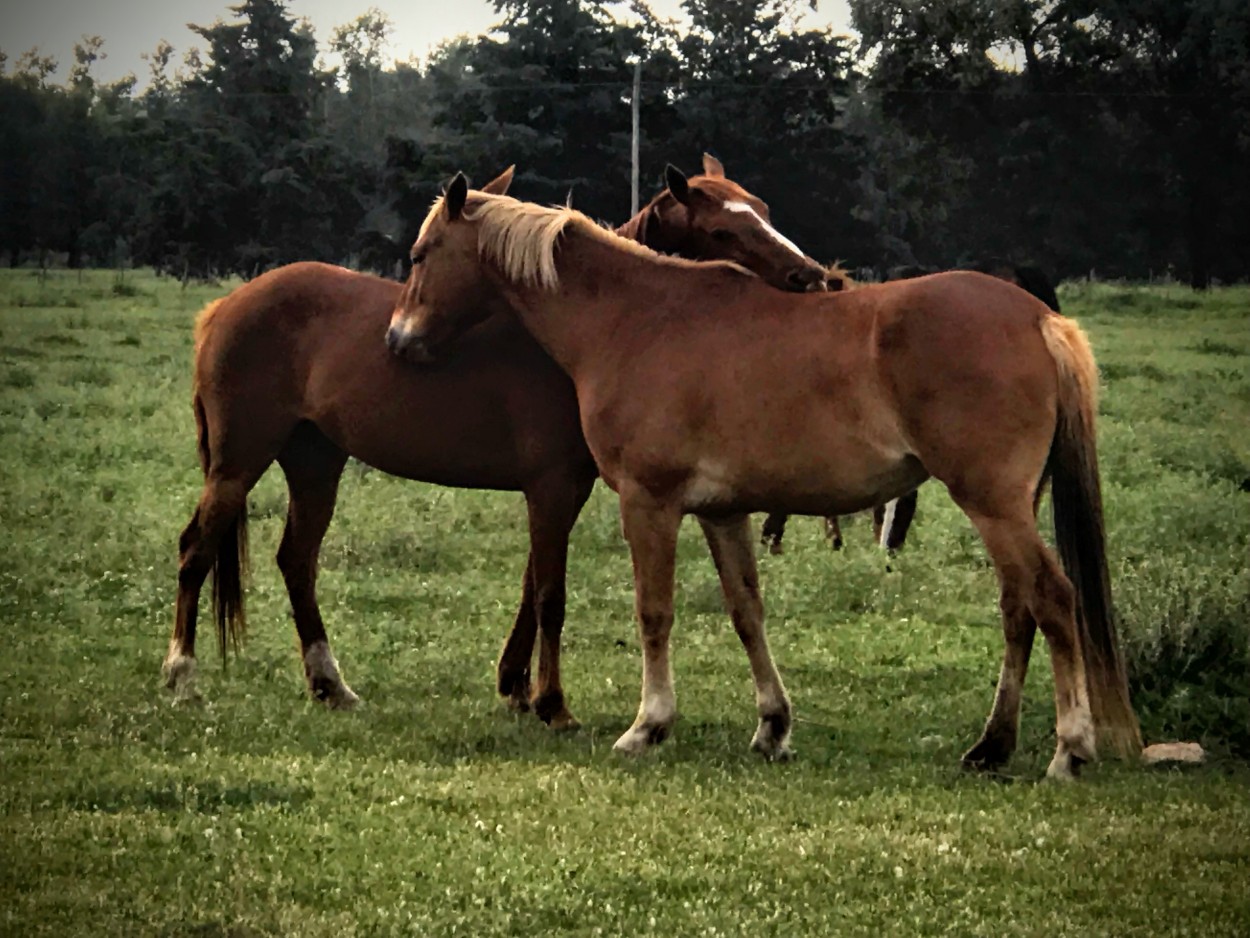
(132, 27)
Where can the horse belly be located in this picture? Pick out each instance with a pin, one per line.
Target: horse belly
(822, 467)
(835, 487)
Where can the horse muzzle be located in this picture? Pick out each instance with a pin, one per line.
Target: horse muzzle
(405, 345)
(807, 280)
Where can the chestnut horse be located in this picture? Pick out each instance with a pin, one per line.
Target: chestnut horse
(291, 367)
(892, 521)
(702, 391)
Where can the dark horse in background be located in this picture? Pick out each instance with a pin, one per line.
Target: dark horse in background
(892, 521)
(292, 367)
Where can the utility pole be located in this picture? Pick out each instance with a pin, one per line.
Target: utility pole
(635, 104)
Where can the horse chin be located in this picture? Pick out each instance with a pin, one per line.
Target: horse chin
(418, 353)
(409, 348)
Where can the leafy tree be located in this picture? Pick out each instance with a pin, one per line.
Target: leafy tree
(357, 114)
(769, 98)
(20, 116)
(551, 94)
(1084, 135)
(245, 180)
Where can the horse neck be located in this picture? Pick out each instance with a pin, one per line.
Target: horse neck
(637, 227)
(600, 287)
(649, 228)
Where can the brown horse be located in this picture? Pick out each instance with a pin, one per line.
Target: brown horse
(702, 391)
(291, 367)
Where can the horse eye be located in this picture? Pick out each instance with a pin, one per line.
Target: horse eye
(722, 234)
(417, 257)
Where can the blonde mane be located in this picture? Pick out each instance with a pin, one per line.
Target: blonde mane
(520, 238)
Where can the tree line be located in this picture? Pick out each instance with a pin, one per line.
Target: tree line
(1109, 137)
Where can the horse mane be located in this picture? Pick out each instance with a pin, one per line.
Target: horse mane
(636, 228)
(836, 273)
(521, 238)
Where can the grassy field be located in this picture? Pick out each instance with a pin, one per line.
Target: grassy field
(432, 811)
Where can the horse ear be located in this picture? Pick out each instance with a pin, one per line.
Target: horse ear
(712, 166)
(675, 179)
(499, 185)
(457, 192)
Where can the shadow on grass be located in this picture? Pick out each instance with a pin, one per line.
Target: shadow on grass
(447, 726)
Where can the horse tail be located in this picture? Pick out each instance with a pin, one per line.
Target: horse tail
(228, 567)
(1076, 501)
(230, 563)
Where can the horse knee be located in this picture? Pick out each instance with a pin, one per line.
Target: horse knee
(193, 568)
(190, 534)
(291, 562)
(654, 627)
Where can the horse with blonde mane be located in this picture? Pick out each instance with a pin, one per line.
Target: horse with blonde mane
(291, 368)
(703, 391)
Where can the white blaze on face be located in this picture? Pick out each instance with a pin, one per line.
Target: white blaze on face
(768, 229)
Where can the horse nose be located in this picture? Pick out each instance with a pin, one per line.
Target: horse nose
(393, 340)
(807, 279)
(408, 346)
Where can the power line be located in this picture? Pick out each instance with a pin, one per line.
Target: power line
(624, 85)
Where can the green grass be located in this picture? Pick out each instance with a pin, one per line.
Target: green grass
(431, 811)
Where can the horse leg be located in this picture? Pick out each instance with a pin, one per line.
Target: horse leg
(650, 527)
(772, 532)
(1035, 594)
(891, 521)
(730, 544)
(553, 509)
(313, 466)
(513, 671)
(220, 504)
(833, 532)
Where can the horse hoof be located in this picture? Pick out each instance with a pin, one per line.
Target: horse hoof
(564, 723)
(549, 706)
(772, 751)
(987, 755)
(773, 746)
(334, 695)
(638, 739)
(177, 668)
(517, 703)
(776, 549)
(178, 675)
(343, 699)
(1065, 766)
(186, 696)
(1064, 769)
(514, 688)
(552, 710)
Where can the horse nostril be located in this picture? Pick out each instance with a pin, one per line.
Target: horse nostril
(392, 340)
